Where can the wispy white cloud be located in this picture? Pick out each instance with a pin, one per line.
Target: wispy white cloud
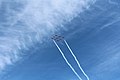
(113, 2)
(109, 63)
(111, 23)
(28, 21)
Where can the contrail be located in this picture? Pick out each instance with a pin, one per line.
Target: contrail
(67, 61)
(76, 60)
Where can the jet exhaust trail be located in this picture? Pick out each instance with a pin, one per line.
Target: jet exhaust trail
(67, 60)
(76, 60)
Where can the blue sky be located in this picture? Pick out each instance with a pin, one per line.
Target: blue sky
(91, 27)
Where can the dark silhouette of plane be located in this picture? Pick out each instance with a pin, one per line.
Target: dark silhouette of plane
(57, 37)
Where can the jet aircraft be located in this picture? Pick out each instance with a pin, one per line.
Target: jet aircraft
(57, 37)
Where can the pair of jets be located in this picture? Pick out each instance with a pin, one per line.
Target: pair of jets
(57, 37)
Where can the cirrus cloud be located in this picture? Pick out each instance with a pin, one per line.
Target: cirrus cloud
(24, 22)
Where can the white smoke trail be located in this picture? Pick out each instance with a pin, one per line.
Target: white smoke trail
(76, 60)
(67, 60)
(25, 22)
